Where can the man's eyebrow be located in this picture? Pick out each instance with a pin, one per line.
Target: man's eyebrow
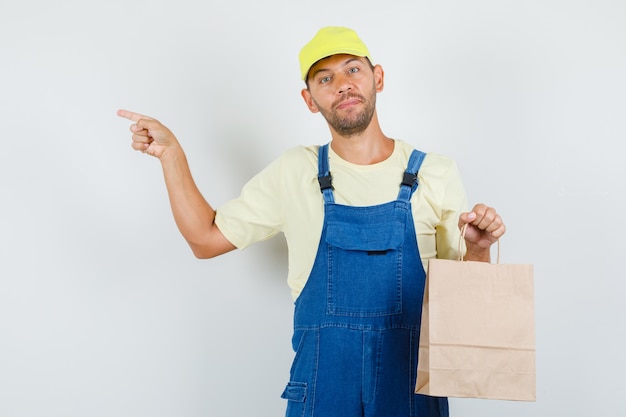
(354, 58)
(317, 71)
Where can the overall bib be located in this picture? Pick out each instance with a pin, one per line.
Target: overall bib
(357, 320)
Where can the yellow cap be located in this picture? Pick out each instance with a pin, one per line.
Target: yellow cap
(331, 40)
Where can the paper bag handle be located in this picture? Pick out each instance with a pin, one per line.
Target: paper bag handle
(462, 238)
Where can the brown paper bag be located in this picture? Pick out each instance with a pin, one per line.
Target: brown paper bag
(478, 336)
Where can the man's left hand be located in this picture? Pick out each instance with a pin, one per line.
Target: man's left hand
(484, 228)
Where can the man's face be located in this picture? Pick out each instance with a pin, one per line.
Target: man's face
(343, 88)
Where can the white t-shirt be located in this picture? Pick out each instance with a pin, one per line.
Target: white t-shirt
(286, 197)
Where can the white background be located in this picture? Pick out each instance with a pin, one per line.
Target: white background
(103, 309)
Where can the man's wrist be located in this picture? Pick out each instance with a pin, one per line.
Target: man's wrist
(478, 254)
(171, 154)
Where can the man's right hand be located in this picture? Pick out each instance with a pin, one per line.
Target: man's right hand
(149, 135)
(194, 216)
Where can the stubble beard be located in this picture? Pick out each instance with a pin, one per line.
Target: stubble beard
(354, 122)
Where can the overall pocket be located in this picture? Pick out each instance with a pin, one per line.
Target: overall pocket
(302, 375)
(295, 394)
(365, 267)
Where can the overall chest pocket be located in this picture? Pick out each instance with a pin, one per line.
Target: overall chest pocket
(365, 268)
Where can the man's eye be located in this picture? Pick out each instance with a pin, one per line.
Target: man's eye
(324, 80)
(353, 70)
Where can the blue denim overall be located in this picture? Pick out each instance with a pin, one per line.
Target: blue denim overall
(357, 320)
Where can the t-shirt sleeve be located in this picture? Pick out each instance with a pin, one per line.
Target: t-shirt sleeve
(453, 203)
(257, 214)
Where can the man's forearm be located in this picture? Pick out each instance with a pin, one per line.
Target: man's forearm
(194, 216)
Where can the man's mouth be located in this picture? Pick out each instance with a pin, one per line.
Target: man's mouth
(348, 103)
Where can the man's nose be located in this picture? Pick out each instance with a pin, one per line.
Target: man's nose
(343, 84)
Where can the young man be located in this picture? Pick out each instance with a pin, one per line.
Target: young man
(361, 216)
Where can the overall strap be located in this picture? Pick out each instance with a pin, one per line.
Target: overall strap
(323, 175)
(409, 182)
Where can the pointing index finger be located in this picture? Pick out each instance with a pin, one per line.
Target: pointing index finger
(135, 117)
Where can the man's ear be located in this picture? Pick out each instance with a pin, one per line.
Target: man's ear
(379, 78)
(308, 99)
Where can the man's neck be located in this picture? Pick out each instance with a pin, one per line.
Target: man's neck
(366, 148)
